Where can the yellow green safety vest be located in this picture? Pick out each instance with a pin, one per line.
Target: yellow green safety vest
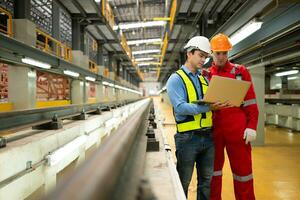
(203, 120)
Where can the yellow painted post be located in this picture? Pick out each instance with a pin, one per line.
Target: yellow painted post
(163, 53)
(46, 44)
(103, 4)
(173, 13)
(58, 50)
(9, 26)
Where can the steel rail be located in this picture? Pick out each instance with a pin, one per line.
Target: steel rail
(101, 175)
(27, 118)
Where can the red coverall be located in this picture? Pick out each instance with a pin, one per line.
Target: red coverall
(229, 126)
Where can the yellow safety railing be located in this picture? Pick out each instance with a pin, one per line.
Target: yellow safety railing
(106, 73)
(164, 48)
(7, 27)
(165, 42)
(141, 75)
(50, 45)
(173, 13)
(125, 46)
(163, 52)
(93, 67)
(94, 45)
(128, 51)
(107, 12)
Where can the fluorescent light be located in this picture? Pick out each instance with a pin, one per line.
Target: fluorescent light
(71, 73)
(286, 73)
(148, 63)
(143, 64)
(108, 84)
(118, 87)
(105, 83)
(133, 42)
(139, 25)
(146, 51)
(293, 78)
(36, 63)
(90, 78)
(157, 56)
(245, 31)
(58, 155)
(144, 59)
(97, 1)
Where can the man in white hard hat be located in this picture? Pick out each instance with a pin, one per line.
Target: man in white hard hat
(194, 142)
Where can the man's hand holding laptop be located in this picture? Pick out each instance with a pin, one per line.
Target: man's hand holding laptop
(220, 105)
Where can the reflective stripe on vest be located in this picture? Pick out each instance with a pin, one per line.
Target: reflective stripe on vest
(203, 120)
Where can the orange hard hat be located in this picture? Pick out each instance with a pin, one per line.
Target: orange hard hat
(220, 42)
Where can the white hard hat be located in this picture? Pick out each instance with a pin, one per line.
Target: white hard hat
(198, 42)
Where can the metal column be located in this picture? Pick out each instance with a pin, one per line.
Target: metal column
(100, 60)
(22, 9)
(55, 20)
(77, 35)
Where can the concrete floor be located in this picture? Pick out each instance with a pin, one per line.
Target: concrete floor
(276, 165)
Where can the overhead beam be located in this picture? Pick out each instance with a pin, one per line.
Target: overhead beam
(79, 7)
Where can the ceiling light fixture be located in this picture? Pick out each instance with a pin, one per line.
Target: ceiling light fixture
(133, 42)
(89, 78)
(293, 78)
(124, 26)
(71, 73)
(143, 59)
(36, 63)
(248, 29)
(148, 63)
(146, 51)
(286, 73)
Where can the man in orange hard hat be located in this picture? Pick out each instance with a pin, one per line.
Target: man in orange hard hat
(234, 127)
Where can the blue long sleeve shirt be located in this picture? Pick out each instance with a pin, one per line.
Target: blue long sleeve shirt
(178, 95)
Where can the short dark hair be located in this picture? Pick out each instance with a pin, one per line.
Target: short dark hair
(192, 51)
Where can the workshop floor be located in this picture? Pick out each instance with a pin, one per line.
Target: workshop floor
(276, 165)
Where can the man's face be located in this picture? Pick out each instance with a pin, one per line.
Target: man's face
(197, 58)
(220, 58)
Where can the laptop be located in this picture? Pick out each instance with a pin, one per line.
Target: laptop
(224, 89)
